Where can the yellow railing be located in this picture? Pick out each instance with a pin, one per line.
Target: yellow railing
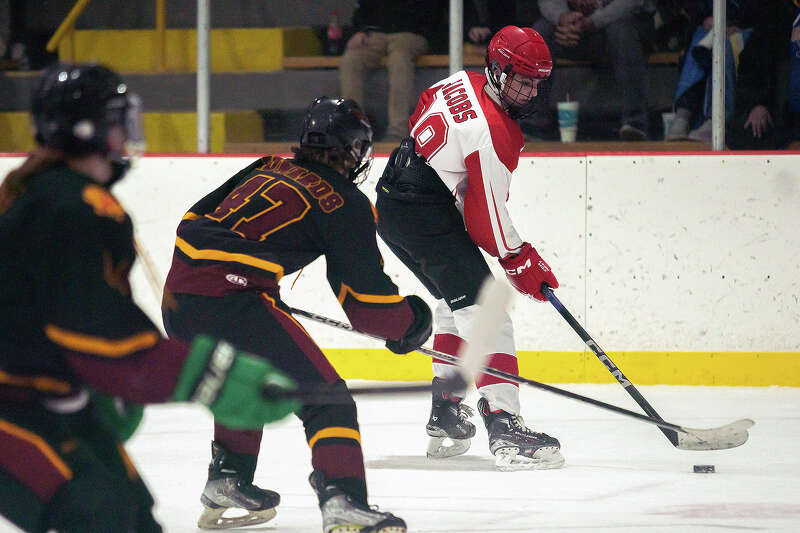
(67, 29)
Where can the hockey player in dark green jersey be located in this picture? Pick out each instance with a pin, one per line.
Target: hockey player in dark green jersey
(69, 329)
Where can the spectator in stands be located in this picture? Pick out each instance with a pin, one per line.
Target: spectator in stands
(693, 94)
(604, 30)
(483, 18)
(400, 31)
(4, 26)
(762, 117)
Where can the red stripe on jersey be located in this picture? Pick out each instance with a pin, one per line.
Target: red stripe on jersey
(498, 361)
(499, 225)
(148, 376)
(477, 215)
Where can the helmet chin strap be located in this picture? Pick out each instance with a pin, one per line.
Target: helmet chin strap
(493, 88)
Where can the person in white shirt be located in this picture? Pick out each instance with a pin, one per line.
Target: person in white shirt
(441, 197)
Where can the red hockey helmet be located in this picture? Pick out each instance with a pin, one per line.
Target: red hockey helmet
(517, 52)
(521, 49)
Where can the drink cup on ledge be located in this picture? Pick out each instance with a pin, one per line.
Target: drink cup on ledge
(667, 118)
(568, 120)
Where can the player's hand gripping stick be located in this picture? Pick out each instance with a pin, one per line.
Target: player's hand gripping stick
(528, 272)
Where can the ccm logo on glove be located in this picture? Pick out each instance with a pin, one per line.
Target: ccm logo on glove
(524, 276)
(520, 269)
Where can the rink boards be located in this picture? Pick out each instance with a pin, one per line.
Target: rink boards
(684, 268)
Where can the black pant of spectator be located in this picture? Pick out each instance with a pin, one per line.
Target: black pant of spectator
(622, 43)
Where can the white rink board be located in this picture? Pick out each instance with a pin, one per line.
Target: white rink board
(610, 226)
(694, 253)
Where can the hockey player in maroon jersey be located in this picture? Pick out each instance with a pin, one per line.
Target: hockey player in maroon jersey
(69, 328)
(273, 218)
(441, 197)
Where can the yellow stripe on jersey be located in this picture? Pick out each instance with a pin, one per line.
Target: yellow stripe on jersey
(40, 444)
(190, 216)
(334, 432)
(40, 383)
(368, 298)
(100, 346)
(219, 255)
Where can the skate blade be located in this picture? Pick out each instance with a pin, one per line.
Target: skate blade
(213, 519)
(366, 529)
(443, 447)
(509, 460)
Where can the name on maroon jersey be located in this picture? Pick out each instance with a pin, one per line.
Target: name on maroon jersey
(457, 101)
(320, 189)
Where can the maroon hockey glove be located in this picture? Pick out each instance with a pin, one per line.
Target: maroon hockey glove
(527, 271)
(419, 330)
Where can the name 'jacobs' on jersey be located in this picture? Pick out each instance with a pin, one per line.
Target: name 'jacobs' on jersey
(458, 102)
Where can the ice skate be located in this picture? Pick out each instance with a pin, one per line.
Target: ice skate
(230, 486)
(516, 447)
(341, 514)
(448, 427)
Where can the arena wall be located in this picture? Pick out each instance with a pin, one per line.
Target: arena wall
(684, 268)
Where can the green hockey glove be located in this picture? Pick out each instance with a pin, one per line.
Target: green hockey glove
(120, 416)
(231, 384)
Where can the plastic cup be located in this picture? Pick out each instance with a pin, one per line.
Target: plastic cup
(568, 121)
(667, 118)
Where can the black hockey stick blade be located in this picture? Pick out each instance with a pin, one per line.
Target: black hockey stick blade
(721, 438)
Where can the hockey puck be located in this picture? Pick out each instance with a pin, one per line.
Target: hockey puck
(704, 469)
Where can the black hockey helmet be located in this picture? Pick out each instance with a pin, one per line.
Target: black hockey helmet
(337, 124)
(75, 105)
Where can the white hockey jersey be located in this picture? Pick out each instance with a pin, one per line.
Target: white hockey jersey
(474, 146)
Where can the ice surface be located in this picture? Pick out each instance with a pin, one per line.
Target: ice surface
(620, 474)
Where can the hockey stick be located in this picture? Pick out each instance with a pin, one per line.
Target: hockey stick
(493, 299)
(729, 436)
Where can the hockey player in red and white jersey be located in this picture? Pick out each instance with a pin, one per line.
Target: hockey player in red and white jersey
(441, 197)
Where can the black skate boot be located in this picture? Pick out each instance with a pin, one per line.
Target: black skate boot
(448, 421)
(342, 514)
(230, 485)
(516, 447)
